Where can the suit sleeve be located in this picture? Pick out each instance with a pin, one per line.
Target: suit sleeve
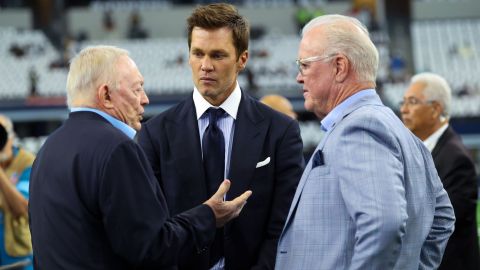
(136, 218)
(460, 183)
(371, 185)
(289, 168)
(441, 229)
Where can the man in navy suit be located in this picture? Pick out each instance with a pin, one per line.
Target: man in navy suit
(426, 111)
(94, 200)
(261, 148)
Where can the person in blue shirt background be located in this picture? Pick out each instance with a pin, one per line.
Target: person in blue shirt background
(15, 167)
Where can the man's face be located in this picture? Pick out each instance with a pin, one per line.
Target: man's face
(417, 112)
(318, 76)
(129, 98)
(214, 63)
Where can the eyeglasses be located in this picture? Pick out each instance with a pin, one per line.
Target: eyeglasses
(302, 64)
(412, 101)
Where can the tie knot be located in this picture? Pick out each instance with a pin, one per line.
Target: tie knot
(214, 114)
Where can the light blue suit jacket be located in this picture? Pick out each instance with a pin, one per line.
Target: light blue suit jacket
(376, 202)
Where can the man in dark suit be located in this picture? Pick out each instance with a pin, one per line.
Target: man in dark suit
(259, 148)
(94, 200)
(425, 111)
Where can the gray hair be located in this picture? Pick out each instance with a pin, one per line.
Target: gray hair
(89, 69)
(355, 45)
(436, 89)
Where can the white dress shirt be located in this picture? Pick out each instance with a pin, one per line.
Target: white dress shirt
(432, 140)
(226, 125)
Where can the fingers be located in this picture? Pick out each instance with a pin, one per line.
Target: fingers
(239, 202)
(222, 190)
(244, 197)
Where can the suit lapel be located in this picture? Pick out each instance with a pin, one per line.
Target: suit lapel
(248, 138)
(183, 139)
(441, 141)
(366, 100)
(303, 181)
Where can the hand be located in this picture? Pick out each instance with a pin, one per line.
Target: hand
(226, 210)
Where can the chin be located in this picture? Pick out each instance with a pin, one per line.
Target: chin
(308, 106)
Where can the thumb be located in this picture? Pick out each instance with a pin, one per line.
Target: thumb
(222, 190)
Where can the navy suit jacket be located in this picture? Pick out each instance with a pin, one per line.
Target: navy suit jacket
(457, 172)
(172, 144)
(95, 204)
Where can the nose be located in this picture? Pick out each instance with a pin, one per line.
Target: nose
(299, 78)
(403, 108)
(144, 99)
(206, 64)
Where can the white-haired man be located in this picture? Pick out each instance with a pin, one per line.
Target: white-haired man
(370, 197)
(94, 200)
(425, 111)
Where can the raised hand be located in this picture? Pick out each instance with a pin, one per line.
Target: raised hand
(226, 210)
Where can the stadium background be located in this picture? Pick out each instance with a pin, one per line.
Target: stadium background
(38, 37)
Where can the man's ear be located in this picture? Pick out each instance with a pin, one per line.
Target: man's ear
(437, 109)
(242, 61)
(104, 98)
(342, 65)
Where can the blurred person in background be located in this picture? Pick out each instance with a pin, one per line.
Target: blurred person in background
(279, 103)
(218, 131)
(94, 200)
(370, 197)
(15, 167)
(425, 110)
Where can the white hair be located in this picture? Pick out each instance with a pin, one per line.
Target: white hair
(436, 89)
(89, 69)
(355, 45)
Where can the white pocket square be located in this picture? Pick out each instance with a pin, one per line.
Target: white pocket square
(263, 163)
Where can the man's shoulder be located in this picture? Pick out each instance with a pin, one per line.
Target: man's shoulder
(100, 131)
(173, 113)
(451, 145)
(277, 118)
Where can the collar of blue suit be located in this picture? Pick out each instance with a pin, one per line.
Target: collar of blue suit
(129, 131)
(333, 117)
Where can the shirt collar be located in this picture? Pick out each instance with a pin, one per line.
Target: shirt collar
(128, 130)
(230, 105)
(333, 117)
(432, 140)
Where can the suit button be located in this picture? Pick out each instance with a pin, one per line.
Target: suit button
(199, 251)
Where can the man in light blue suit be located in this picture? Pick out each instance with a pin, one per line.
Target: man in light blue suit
(370, 197)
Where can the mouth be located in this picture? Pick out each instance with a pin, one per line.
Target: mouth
(207, 79)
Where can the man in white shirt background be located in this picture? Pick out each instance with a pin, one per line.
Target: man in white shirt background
(425, 110)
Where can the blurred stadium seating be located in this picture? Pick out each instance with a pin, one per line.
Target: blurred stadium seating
(444, 40)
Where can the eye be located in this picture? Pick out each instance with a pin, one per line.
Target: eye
(413, 101)
(138, 90)
(197, 54)
(218, 56)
